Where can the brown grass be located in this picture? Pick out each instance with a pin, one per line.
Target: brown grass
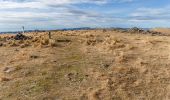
(85, 65)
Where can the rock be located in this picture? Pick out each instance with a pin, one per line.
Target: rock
(2, 79)
(1, 44)
(20, 36)
(71, 76)
(105, 65)
(9, 69)
(135, 30)
(34, 56)
(141, 31)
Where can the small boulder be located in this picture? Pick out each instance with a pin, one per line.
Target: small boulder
(20, 36)
(9, 69)
(4, 79)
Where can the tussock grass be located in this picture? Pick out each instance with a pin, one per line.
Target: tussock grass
(41, 40)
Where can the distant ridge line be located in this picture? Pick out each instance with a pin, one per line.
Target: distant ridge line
(65, 29)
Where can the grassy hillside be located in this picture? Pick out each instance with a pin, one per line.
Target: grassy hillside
(85, 65)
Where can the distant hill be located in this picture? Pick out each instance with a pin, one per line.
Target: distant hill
(81, 28)
(64, 29)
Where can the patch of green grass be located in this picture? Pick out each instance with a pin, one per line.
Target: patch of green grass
(43, 85)
(36, 86)
(69, 68)
(74, 57)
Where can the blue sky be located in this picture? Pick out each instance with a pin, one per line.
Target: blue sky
(57, 14)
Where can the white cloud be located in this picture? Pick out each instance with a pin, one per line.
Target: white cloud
(68, 13)
(44, 3)
(11, 4)
(152, 13)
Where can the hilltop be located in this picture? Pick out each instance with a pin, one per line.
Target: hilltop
(100, 64)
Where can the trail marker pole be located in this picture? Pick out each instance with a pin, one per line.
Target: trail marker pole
(49, 35)
(23, 29)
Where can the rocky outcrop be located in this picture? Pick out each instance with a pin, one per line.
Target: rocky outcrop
(21, 37)
(136, 30)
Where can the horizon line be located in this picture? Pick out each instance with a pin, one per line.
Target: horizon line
(76, 28)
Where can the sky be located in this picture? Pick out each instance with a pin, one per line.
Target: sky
(58, 14)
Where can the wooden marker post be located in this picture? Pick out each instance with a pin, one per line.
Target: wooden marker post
(49, 35)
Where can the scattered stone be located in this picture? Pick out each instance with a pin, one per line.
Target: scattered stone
(20, 36)
(136, 30)
(141, 31)
(3, 79)
(71, 76)
(33, 56)
(1, 44)
(55, 61)
(9, 69)
(106, 64)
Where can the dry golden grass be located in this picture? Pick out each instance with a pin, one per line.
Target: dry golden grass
(38, 40)
(85, 65)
